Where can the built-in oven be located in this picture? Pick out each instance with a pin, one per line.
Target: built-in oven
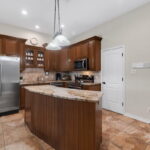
(81, 64)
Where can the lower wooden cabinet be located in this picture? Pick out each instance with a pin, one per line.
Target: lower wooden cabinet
(22, 97)
(64, 124)
(96, 87)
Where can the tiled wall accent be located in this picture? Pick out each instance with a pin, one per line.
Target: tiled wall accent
(34, 74)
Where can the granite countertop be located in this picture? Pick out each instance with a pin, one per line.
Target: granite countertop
(23, 83)
(66, 93)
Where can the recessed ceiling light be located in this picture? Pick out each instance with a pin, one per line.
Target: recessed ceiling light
(24, 12)
(37, 26)
(62, 25)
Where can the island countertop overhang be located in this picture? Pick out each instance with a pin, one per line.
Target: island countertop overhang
(66, 93)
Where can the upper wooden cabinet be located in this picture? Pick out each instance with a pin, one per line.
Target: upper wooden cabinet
(63, 60)
(1, 46)
(51, 60)
(34, 57)
(94, 55)
(10, 46)
(82, 50)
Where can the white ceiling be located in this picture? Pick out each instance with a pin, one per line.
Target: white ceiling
(77, 15)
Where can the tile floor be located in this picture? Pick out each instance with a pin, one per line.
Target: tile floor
(123, 133)
(119, 133)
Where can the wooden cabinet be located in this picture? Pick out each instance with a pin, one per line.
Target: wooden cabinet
(34, 57)
(52, 60)
(96, 87)
(64, 124)
(63, 60)
(22, 97)
(95, 55)
(10, 46)
(1, 42)
(71, 57)
(47, 61)
(81, 51)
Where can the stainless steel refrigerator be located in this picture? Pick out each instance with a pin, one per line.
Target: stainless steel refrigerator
(9, 83)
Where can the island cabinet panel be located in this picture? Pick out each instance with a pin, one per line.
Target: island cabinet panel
(28, 105)
(64, 124)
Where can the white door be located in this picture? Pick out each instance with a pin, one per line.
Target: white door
(113, 79)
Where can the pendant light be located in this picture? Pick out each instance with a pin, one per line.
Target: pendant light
(59, 40)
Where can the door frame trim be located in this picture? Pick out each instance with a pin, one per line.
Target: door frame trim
(124, 82)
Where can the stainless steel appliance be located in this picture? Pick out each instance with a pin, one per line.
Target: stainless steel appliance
(9, 83)
(81, 64)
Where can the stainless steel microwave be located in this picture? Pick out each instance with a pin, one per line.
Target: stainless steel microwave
(81, 64)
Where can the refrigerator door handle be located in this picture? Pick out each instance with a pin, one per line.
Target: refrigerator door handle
(0, 79)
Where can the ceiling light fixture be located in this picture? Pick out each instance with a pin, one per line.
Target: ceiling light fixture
(62, 26)
(24, 12)
(37, 26)
(59, 40)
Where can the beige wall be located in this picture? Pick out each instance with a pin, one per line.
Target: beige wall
(23, 33)
(133, 31)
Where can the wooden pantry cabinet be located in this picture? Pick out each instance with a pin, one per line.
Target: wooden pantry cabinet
(63, 60)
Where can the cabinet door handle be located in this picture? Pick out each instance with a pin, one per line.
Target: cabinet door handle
(103, 82)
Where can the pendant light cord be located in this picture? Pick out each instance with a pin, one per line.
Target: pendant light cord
(55, 18)
(59, 16)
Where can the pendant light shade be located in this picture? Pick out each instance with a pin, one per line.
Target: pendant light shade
(53, 46)
(59, 40)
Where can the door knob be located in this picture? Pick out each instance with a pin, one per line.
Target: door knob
(104, 82)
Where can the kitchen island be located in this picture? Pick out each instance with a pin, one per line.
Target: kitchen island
(67, 119)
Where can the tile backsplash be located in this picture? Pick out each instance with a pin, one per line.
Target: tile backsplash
(97, 75)
(35, 74)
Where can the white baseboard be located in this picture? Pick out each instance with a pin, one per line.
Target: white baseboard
(137, 118)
